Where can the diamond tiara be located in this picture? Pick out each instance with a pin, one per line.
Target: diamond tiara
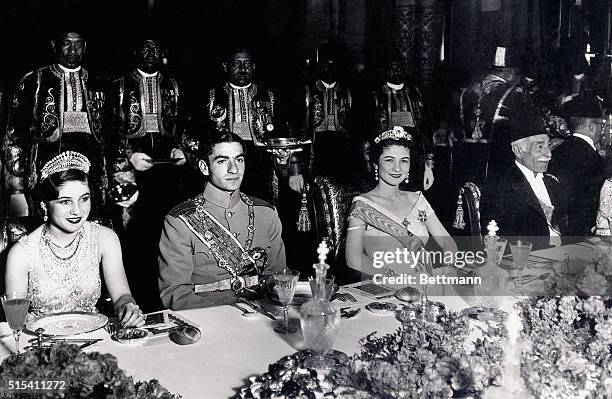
(397, 133)
(65, 161)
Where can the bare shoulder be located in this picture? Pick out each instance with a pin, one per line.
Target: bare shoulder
(107, 237)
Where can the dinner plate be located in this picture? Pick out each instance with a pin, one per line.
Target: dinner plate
(66, 323)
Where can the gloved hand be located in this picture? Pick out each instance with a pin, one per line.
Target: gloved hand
(428, 177)
(141, 161)
(129, 202)
(296, 183)
(178, 154)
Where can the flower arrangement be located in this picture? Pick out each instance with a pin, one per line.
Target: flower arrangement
(87, 375)
(567, 350)
(419, 360)
(425, 360)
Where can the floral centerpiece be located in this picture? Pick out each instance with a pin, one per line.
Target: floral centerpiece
(568, 347)
(87, 375)
(419, 360)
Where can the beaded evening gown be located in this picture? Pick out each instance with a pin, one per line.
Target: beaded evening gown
(64, 282)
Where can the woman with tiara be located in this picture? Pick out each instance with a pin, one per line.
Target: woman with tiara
(58, 264)
(386, 218)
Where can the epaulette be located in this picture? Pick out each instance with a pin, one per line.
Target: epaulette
(552, 177)
(256, 201)
(183, 208)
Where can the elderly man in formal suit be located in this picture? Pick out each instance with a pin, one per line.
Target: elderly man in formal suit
(578, 164)
(527, 202)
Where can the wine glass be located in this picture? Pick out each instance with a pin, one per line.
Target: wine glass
(285, 289)
(15, 306)
(520, 256)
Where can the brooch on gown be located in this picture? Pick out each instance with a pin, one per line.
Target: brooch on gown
(422, 215)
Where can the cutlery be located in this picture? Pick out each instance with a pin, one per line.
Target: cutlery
(257, 308)
(345, 297)
(245, 311)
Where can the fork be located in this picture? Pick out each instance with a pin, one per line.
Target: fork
(245, 311)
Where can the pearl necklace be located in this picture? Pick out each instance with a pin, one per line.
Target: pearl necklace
(62, 263)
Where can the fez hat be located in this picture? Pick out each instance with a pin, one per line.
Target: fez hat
(582, 106)
(524, 121)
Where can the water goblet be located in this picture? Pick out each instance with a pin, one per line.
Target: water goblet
(520, 257)
(15, 305)
(285, 282)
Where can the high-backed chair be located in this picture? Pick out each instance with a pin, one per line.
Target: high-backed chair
(331, 205)
(467, 217)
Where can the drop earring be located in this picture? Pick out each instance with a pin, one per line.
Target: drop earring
(375, 172)
(407, 179)
(45, 216)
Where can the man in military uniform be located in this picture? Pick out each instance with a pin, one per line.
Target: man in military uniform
(251, 111)
(221, 242)
(328, 113)
(147, 161)
(53, 110)
(396, 103)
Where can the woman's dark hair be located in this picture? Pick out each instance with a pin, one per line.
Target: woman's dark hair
(214, 137)
(48, 189)
(377, 149)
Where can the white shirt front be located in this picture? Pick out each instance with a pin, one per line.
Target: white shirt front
(536, 181)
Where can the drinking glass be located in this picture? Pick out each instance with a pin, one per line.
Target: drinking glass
(520, 256)
(15, 305)
(285, 289)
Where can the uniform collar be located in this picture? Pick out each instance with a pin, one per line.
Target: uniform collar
(68, 70)
(588, 140)
(223, 199)
(328, 85)
(239, 87)
(395, 87)
(530, 175)
(147, 75)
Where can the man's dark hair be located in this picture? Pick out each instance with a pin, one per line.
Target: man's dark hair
(214, 137)
(60, 35)
(239, 48)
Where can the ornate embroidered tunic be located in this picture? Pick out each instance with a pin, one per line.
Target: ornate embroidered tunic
(53, 110)
(247, 111)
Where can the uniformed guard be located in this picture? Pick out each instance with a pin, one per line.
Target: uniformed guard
(54, 109)
(328, 117)
(147, 161)
(251, 111)
(222, 243)
(397, 103)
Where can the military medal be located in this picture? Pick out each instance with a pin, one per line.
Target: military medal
(422, 215)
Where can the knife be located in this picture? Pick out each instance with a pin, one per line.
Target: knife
(257, 308)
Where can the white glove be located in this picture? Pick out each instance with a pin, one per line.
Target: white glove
(428, 177)
(141, 161)
(296, 183)
(178, 154)
(129, 202)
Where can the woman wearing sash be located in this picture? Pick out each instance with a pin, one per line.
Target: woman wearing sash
(386, 218)
(58, 264)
